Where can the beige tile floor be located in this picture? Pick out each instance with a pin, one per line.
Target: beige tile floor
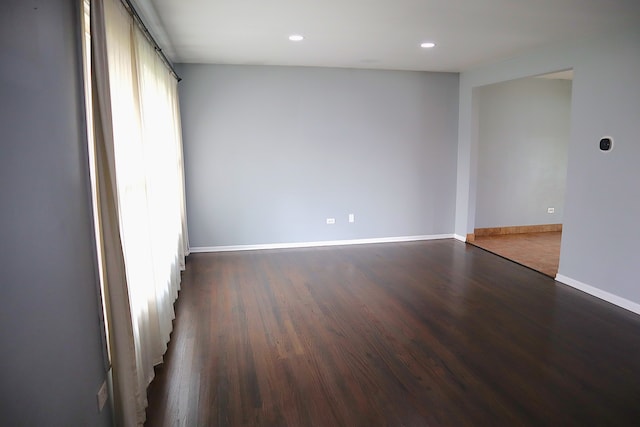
(539, 251)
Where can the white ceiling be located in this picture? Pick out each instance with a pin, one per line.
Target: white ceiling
(380, 34)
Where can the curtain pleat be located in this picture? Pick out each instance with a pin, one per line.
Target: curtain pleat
(115, 286)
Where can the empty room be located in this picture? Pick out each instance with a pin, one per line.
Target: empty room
(524, 127)
(243, 213)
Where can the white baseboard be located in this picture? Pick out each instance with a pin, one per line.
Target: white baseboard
(318, 244)
(599, 293)
(459, 237)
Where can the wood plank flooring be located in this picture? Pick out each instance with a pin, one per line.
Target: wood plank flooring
(539, 251)
(409, 334)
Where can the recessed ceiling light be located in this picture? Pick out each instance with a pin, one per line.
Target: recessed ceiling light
(427, 45)
(296, 37)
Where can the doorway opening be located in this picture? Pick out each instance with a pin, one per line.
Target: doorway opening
(523, 138)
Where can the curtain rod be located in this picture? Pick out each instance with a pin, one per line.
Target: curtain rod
(136, 17)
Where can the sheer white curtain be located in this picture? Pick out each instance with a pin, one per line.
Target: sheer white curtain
(141, 200)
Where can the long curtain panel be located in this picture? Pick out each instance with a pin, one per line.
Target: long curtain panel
(141, 192)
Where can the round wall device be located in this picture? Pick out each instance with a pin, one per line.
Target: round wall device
(606, 143)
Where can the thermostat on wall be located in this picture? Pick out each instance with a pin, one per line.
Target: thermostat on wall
(606, 143)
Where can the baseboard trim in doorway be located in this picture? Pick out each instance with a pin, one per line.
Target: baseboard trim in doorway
(517, 229)
(599, 293)
(234, 248)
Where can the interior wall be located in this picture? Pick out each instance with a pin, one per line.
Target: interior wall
(51, 357)
(523, 137)
(603, 191)
(271, 152)
(600, 231)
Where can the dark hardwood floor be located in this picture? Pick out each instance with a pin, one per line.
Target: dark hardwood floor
(409, 334)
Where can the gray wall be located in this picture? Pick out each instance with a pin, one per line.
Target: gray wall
(602, 206)
(603, 189)
(271, 152)
(523, 138)
(51, 353)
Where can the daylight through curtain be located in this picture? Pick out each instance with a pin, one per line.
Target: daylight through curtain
(141, 200)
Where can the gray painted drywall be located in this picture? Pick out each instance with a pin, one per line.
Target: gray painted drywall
(602, 204)
(523, 137)
(271, 152)
(51, 351)
(603, 189)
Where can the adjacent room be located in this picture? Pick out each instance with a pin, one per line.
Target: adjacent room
(523, 140)
(243, 213)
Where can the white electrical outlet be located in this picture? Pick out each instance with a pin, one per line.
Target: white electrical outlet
(331, 220)
(103, 394)
(551, 210)
(352, 218)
